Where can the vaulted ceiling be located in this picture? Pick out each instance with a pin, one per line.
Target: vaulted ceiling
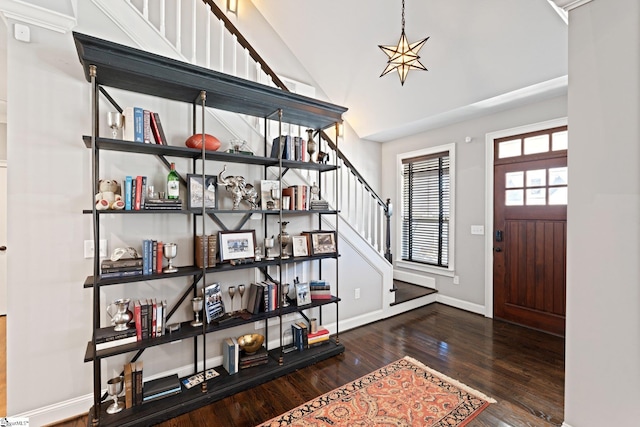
(481, 56)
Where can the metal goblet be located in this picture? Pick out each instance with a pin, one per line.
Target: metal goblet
(196, 304)
(285, 292)
(232, 293)
(269, 243)
(170, 251)
(114, 388)
(115, 120)
(241, 289)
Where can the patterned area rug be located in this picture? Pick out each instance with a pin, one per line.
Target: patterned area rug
(403, 393)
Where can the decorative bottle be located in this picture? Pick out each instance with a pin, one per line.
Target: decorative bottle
(173, 183)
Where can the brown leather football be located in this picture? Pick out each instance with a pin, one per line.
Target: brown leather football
(211, 143)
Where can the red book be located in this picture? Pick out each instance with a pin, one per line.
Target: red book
(154, 319)
(156, 129)
(159, 257)
(321, 331)
(138, 197)
(138, 319)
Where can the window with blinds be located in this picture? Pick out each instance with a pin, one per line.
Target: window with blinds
(426, 209)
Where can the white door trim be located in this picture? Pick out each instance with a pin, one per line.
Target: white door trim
(488, 239)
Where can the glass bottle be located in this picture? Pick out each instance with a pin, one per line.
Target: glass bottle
(173, 183)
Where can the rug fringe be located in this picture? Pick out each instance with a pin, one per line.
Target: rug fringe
(450, 380)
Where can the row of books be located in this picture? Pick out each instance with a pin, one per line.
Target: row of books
(133, 385)
(262, 297)
(142, 125)
(207, 244)
(234, 359)
(303, 338)
(319, 290)
(149, 321)
(298, 197)
(135, 196)
(291, 148)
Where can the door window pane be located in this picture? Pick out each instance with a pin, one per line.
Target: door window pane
(558, 196)
(558, 176)
(511, 148)
(536, 144)
(537, 178)
(514, 179)
(536, 196)
(560, 140)
(514, 198)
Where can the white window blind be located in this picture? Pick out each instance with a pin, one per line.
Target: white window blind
(426, 209)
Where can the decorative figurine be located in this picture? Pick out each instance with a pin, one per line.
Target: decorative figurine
(239, 189)
(311, 145)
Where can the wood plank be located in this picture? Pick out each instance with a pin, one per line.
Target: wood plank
(521, 368)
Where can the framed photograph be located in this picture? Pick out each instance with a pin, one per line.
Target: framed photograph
(194, 192)
(303, 294)
(322, 242)
(214, 306)
(300, 246)
(239, 244)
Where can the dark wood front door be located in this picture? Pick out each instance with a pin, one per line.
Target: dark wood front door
(530, 228)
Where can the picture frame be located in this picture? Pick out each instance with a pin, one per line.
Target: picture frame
(240, 244)
(322, 242)
(303, 294)
(300, 245)
(194, 192)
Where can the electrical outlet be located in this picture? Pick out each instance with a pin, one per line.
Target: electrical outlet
(356, 294)
(456, 280)
(88, 248)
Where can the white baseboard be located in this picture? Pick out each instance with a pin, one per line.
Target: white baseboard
(564, 424)
(464, 305)
(416, 279)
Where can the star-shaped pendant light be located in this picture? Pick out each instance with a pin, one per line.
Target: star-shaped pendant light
(404, 56)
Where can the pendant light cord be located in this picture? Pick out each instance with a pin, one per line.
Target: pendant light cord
(403, 16)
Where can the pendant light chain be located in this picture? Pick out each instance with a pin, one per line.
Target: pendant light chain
(403, 16)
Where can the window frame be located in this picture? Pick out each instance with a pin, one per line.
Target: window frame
(418, 266)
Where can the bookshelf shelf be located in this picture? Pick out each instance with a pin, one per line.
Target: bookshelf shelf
(109, 65)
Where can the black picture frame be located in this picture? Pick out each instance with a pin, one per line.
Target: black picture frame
(237, 244)
(323, 242)
(194, 192)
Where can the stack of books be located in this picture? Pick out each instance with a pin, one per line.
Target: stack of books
(320, 290)
(161, 387)
(319, 205)
(300, 335)
(260, 357)
(121, 268)
(133, 383)
(321, 336)
(165, 204)
(108, 337)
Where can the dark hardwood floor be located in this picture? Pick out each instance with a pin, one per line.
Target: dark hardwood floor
(407, 291)
(522, 369)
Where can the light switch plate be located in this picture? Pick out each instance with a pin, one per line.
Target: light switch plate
(477, 229)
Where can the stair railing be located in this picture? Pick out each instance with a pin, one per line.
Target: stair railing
(363, 208)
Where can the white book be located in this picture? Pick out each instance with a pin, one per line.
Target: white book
(128, 128)
(115, 343)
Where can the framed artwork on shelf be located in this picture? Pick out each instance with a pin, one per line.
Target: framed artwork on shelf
(300, 245)
(322, 242)
(303, 294)
(240, 244)
(194, 192)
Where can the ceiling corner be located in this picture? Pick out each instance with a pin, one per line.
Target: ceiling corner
(567, 5)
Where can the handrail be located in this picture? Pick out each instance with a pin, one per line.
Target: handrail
(245, 44)
(384, 205)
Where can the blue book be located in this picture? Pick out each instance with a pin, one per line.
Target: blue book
(146, 261)
(138, 124)
(127, 192)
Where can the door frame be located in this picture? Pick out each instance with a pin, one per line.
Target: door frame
(488, 215)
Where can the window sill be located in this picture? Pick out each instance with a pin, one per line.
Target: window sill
(424, 268)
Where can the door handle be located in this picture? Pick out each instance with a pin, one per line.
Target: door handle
(3, 248)
(498, 249)
(499, 235)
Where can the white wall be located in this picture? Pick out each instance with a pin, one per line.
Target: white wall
(603, 320)
(469, 187)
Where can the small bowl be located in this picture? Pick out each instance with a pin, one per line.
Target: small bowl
(250, 343)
